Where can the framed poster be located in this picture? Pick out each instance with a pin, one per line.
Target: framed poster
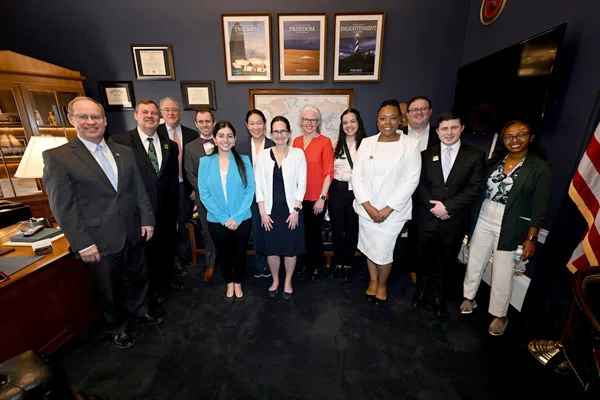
(358, 47)
(289, 102)
(302, 47)
(198, 94)
(117, 96)
(153, 61)
(247, 47)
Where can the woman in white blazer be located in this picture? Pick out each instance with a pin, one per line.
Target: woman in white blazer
(280, 176)
(385, 175)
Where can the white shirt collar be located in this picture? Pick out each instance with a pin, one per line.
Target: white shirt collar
(410, 129)
(143, 136)
(91, 146)
(454, 147)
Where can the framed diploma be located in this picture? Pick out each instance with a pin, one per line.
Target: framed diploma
(247, 47)
(302, 47)
(358, 47)
(153, 62)
(117, 96)
(198, 94)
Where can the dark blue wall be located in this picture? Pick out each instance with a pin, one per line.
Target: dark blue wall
(422, 46)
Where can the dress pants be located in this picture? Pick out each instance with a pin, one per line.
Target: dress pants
(184, 212)
(123, 270)
(344, 223)
(209, 245)
(483, 243)
(160, 252)
(231, 249)
(313, 259)
(258, 239)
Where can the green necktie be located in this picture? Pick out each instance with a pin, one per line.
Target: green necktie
(152, 155)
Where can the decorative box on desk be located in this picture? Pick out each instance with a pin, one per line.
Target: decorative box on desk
(45, 303)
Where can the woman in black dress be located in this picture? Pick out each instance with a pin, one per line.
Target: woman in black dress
(280, 175)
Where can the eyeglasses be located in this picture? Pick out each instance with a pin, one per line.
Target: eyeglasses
(281, 132)
(167, 110)
(519, 135)
(310, 121)
(417, 110)
(84, 117)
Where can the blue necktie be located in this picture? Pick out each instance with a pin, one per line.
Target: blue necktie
(447, 163)
(105, 165)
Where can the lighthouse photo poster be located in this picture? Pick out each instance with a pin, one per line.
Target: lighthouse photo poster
(302, 47)
(247, 47)
(358, 46)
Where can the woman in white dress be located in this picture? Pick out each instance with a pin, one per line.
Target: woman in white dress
(385, 175)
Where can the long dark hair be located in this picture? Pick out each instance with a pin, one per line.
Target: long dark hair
(238, 160)
(360, 133)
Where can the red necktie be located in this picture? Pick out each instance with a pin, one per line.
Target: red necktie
(179, 157)
(211, 140)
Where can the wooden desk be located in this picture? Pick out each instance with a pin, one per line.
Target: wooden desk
(45, 303)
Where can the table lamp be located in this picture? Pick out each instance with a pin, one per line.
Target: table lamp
(32, 164)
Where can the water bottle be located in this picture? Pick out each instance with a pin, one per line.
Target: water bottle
(519, 264)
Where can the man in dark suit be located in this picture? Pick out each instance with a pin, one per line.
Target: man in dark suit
(419, 111)
(452, 178)
(156, 158)
(200, 147)
(182, 135)
(97, 196)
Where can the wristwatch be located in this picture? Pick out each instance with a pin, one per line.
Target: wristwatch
(323, 197)
(533, 238)
(297, 209)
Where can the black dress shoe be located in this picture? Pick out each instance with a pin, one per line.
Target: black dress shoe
(316, 275)
(379, 302)
(149, 319)
(418, 299)
(347, 274)
(369, 297)
(301, 270)
(123, 340)
(439, 307)
(335, 272)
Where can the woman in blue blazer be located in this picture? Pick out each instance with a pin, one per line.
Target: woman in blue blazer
(226, 188)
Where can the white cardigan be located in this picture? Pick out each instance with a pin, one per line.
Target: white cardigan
(399, 184)
(293, 169)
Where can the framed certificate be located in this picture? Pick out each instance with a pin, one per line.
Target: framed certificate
(153, 62)
(117, 96)
(198, 94)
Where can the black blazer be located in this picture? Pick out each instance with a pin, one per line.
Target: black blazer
(85, 204)
(246, 147)
(188, 135)
(528, 198)
(162, 188)
(432, 139)
(462, 188)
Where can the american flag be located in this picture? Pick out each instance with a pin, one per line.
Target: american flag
(585, 192)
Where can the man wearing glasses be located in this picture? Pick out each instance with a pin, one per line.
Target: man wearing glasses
(182, 135)
(98, 198)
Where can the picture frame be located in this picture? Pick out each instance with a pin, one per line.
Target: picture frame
(198, 94)
(289, 102)
(117, 95)
(302, 47)
(247, 47)
(153, 62)
(358, 46)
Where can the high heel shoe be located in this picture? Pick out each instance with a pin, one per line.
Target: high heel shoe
(379, 302)
(273, 293)
(369, 297)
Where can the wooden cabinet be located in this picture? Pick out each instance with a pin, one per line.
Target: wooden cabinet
(33, 101)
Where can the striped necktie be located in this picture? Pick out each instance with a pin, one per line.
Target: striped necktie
(152, 155)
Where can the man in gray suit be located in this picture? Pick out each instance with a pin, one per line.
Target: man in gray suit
(200, 147)
(98, 198)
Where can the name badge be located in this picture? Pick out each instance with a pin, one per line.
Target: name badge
(436, 158)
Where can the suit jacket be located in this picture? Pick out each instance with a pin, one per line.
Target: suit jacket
(432, 139)
(399, 184)
(239, 197)
(462, 188)
(162, 188)
(188, 136)
(246, 147)
(87, 207)
(191, 162)
(528, 198)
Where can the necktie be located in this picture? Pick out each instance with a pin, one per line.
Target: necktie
(152, 155)
(447, 163)
(211, 140)
(179, 157)
(105, 165)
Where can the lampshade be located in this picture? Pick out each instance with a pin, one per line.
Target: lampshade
(32, 164)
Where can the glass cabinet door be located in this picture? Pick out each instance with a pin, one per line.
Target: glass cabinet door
(13, 142)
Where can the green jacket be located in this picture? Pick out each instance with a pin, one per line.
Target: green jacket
(528, 198)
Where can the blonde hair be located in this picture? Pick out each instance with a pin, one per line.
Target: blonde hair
(314, 109)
